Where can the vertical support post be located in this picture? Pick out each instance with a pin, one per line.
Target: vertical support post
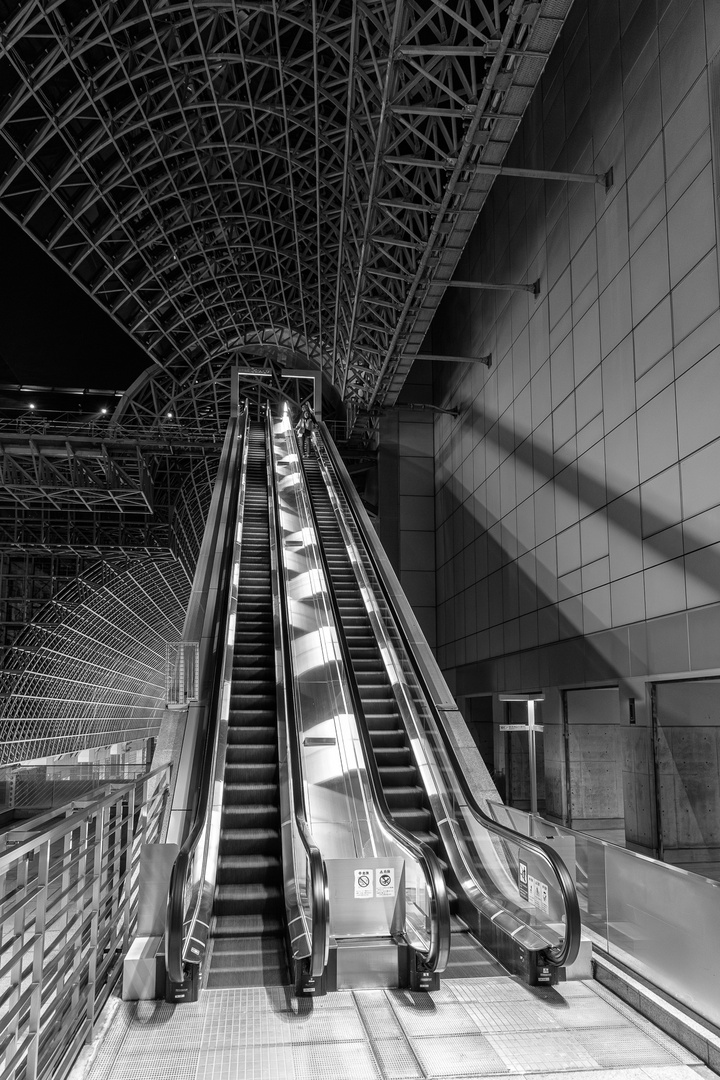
(125, 883)
(532, 757)
(38, 961)
(531, 728)
(95, 920)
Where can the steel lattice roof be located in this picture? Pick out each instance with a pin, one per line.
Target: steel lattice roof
(300, 172)
(283, 182)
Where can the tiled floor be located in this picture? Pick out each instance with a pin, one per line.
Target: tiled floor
(487, 1027)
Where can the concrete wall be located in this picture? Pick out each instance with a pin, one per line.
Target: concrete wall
(577, 503)
(688, 752)
(595, 759)
(406, 503)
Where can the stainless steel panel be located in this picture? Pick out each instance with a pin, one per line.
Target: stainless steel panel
(366, 962)
(363, 917)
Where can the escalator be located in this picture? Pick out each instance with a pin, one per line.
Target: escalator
(401, 784)
(318, 727)
(247, 930)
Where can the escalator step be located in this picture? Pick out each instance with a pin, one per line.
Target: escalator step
(403, 798)
(250, 899)
(248, 841)
(234, 926)
(251, 794)
(248, 815)
(251, 771)
(249, 870)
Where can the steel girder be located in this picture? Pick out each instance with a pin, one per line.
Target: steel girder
(216, 172)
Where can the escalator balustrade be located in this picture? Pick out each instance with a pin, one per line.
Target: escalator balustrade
(248, 924)
(405, 796)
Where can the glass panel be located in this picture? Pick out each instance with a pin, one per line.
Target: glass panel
(658, 920)
(662, 921)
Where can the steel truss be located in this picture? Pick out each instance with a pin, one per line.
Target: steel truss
(90, 670)
(265, 183)
(292, 172)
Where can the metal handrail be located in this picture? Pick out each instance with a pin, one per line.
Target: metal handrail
(566, 952)
(319, 890)
(76, 881)
(179, 929)
(436, 958)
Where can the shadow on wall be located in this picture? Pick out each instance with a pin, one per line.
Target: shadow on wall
(564, 654)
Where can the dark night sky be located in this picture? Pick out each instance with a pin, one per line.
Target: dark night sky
(51, 332)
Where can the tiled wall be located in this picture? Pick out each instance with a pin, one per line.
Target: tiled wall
(406, 508)
(578, 493)
(578, 490)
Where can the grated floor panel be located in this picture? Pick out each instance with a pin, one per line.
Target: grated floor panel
(482, 1028)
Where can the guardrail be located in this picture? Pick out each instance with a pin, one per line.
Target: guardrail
(657, 920)
(68, 911)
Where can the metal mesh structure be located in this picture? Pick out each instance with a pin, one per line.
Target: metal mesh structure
(88, 668)
(273, 185)
(91, 671)
(301, 174)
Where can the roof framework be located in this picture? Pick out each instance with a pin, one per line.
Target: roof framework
(221, 172)
(267, 184)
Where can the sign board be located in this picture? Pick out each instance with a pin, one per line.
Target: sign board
(538, 894)
(367, 896)
(363, 884)
(385, 881)
(523, 879)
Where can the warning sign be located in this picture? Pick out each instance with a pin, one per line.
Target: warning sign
(363, 884)
(385, 882)
(522, 879)
(538, 894)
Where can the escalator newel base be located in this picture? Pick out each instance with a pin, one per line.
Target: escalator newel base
(535, 968)
(307, 986)
(177, 993)
(412, 973)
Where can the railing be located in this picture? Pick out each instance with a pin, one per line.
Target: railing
(193, 873)
(68, 910)
(436, 956)
(468, 828)
(659, 921)
(36, 787)
(305, 882)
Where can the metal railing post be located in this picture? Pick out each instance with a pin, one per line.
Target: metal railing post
(95, 919)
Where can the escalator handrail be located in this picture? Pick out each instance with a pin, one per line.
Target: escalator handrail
(175, 935)
(436, 958)
(319, 889)
(567, 951)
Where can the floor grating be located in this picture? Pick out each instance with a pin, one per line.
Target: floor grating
(483, 1028)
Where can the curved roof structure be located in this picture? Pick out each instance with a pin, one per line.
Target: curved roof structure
(221, 172)
(270, 184)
